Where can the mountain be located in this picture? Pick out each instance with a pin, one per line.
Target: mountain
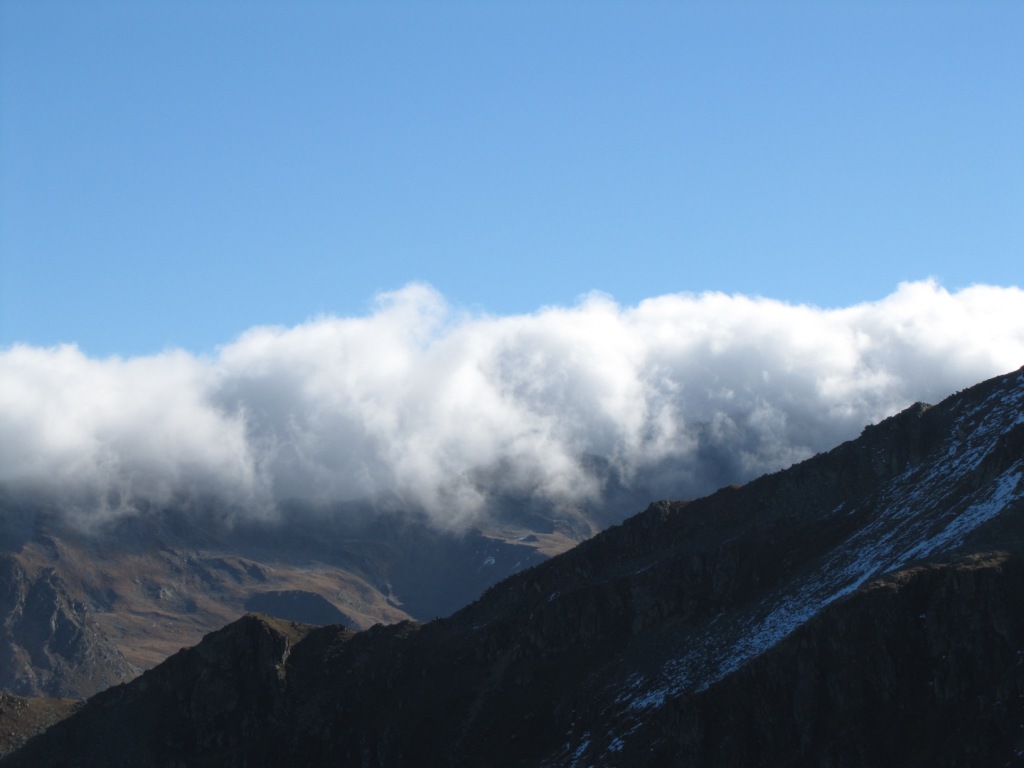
(83, 608)
(862, 608)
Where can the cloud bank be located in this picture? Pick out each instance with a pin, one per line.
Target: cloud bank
(450, 410)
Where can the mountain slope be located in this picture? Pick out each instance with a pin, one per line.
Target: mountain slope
(810, 617)
(142, 587)
(922, 667)
(50, 642)
(22, 718)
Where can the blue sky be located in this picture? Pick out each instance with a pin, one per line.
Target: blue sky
(172, 174)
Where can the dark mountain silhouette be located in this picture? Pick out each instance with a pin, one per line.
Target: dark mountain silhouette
(862, 608)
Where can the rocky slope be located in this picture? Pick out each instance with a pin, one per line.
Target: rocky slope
(923, 667)
(49, 641)
(863, 608)
(21, 718)
(82, 609)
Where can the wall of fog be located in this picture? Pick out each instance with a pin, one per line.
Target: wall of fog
(448, 409)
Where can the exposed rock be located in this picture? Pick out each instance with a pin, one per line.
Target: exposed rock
(49, 642)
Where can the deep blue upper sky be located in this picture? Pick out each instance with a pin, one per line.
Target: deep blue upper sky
(174, 173)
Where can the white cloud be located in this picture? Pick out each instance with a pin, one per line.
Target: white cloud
(678, 395)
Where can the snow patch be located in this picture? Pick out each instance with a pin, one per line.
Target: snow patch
(580, 750)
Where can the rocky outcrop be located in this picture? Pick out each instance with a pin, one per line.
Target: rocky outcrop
(49, 643)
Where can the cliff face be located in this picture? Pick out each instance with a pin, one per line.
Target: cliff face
(862, 608)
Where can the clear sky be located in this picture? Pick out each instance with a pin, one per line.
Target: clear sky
(173, 173)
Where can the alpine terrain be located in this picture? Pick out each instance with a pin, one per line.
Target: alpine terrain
(862, 608)
(85, 608)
